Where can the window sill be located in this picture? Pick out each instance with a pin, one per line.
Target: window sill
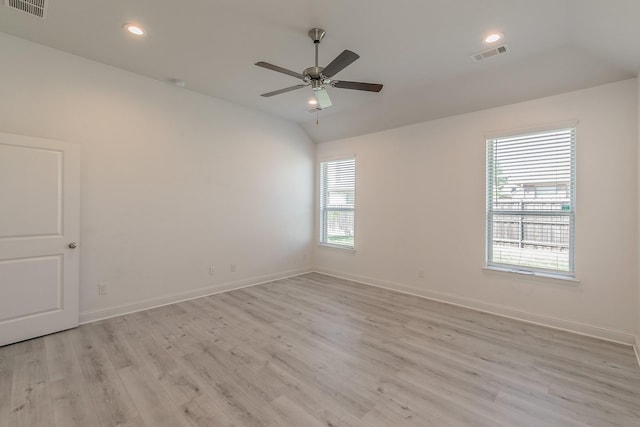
(570, 279)
(338, 247)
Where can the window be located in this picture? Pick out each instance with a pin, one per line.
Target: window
(337, 202)
(531, 202)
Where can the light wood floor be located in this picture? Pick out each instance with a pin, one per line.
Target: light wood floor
(316, 351)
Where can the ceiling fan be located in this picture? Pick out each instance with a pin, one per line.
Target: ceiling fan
(317, 77)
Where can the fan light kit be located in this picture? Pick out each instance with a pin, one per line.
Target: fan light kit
(317, 77)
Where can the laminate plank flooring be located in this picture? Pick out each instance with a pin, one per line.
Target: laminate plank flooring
(315, 351)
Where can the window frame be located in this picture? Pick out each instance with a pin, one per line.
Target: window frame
(570, 273)
(323, 210)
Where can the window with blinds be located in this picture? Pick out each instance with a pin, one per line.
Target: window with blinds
(337, 202)
(531, 202)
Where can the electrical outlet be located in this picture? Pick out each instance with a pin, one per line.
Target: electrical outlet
(212, 270)
(233, 268)
(102, 288)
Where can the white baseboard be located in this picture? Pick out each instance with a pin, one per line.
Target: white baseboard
(106, 313)
(613, 335)
(539, 319)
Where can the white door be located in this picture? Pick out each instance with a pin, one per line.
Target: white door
(39, 226)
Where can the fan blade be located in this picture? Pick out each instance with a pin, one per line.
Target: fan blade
(286, 89)
(370, 87)
(279, 69)
(340, 63)
(322, 96)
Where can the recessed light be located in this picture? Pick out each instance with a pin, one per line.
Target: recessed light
(492, 38)
(134, 29)
(313, 102)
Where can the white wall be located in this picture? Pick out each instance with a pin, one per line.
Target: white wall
(172, 181)
(420, 204)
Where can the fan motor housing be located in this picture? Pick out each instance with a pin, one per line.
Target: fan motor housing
(314, 73)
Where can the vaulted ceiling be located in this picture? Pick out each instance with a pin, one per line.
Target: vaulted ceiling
(419, 49)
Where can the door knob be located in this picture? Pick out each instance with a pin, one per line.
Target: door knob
(73, 245)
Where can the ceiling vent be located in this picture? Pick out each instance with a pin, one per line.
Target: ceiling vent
(486, 54)
(37, 8)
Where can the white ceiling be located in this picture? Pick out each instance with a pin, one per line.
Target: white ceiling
(419, 49)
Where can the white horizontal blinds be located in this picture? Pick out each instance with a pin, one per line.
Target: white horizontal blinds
(531, 201)
(337, 202)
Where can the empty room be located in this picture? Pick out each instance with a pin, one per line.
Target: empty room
(297, 213)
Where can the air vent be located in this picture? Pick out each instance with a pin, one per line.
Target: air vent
(36, 8)
(486, 54)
